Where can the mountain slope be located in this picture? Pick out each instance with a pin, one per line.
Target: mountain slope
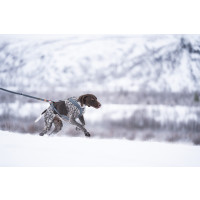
(150, 63)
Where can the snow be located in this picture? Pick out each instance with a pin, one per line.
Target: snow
(134, 63)
(32, 150)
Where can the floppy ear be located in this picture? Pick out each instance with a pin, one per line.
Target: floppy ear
(81, 99)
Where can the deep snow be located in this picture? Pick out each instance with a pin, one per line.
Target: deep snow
(32, 150)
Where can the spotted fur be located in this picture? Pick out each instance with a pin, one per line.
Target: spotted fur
(50, 117)
(73, 110)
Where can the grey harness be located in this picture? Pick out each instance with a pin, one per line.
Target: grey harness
(75, 103)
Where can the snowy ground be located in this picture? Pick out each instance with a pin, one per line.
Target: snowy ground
(31, 150)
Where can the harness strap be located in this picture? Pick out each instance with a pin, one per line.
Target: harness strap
(62, 116)
(74, 103)
(77, 105)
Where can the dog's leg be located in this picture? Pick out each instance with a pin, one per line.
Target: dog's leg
(58, 125)
(46, 129)
(48, 120)
(74, 122)
(81, 118)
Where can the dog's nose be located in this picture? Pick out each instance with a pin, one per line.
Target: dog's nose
(99, 105)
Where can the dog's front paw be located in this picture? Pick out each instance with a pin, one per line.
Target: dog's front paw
(87, 134)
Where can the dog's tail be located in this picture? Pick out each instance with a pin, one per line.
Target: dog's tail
(40, 116)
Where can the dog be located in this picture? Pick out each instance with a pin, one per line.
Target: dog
(68, 110)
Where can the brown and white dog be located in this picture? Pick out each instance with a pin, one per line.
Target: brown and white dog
(70, 111)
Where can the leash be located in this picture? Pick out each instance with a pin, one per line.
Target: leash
(32, 97)
(50, 101)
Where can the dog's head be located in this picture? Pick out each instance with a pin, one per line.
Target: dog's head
(89, 100)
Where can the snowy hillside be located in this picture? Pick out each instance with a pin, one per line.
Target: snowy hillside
(103, 62)
(28, 150)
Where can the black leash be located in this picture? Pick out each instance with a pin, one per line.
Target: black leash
(40, 99)
(46, 100)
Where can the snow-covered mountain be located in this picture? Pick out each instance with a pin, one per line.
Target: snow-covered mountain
(159, 63)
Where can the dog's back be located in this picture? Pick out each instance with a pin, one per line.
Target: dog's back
(60, 106)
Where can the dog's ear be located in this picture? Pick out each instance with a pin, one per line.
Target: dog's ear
(81, 99)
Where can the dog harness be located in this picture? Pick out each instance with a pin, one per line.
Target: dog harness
(72, 100)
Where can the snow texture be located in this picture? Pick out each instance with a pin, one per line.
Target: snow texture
(30, 150)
